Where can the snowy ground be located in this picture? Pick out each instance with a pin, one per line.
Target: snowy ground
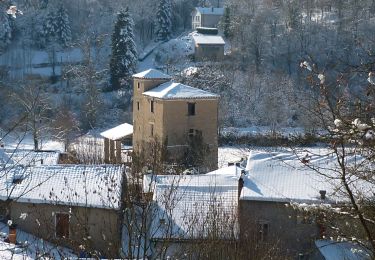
(262, 130)
(30, 247)
(164, 55)
(22, 141)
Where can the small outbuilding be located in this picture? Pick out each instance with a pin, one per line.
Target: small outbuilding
(208, 47)
(113, 139)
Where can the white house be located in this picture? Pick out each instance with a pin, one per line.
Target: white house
(206, 17)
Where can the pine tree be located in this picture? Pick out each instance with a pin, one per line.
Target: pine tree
(57, 27)
(5, 30)
(124, 52)
(226, 23)
(164, 20)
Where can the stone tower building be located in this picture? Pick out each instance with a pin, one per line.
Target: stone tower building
(182, 119)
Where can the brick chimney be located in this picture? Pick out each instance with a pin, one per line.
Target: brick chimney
(241, 182)
(322, 194)
(12, 234)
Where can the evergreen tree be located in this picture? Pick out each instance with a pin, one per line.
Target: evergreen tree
(5, 30)
(57, 27)
(164, 20)
(226, 23)
(124, 52)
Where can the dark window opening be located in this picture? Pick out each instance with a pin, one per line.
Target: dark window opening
(138, 105)
(194, 133)
(191, 132)
(62, 225)
(263, 229)
(152, 106)
(138, 84)
(191, 109)
(152, 129)
(17, 180)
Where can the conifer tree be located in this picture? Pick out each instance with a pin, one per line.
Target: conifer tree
(124, 52)
(5, 30)
(226, 23)
(164, 20)
(57, 27)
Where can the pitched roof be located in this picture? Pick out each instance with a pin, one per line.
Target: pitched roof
(118, 132)
(151, 74)
(333, 250)
(185, 201)
(281, 176)
(4, 157)
(171, 90)
(73, 185)
(210, 10)
(29, 246)
(202, 39)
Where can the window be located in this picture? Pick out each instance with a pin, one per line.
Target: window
(191, 109)
(138, 85)
(138, 106)
(62, 225)
(151, 129)
(191, 132)
(152, 106)
(263, 230)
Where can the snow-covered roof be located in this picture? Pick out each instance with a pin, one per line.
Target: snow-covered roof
(4, 158)
(281, 176)
(171, 90)
(97, 186)
(210, 10)
(202, 39)
(29, 246)
(118, 132)
(186, 203)
(152, 74)
(333, 250)
(27, 157)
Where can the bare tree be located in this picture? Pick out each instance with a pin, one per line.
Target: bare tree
(349, 128)
(35, 107)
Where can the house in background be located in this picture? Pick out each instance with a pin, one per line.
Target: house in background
(180, 118)
(206, 17)
(113, 139)
(208, 47)
(69, 205)
(276, 180)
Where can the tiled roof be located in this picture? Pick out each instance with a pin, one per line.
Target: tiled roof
(283, 177)
(185, 201)
(152, 74)
(73, 185)
(171, 90)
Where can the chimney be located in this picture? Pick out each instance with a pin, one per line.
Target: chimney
(241, 183)
(12, 234)
(322, 194)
